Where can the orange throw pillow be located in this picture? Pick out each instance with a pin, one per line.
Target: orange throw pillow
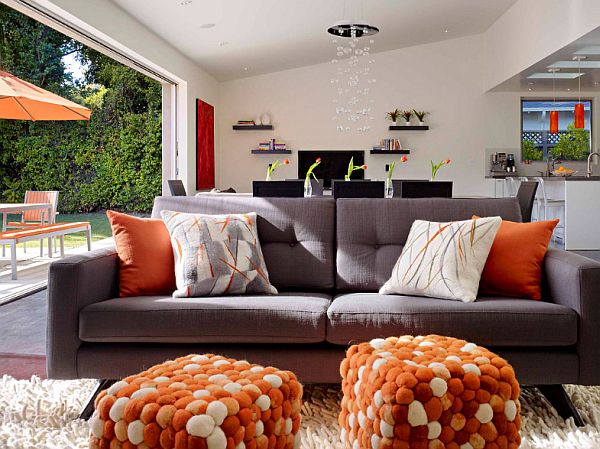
(514, 265)
(146, 265)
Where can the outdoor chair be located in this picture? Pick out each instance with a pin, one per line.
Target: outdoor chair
(176, 187)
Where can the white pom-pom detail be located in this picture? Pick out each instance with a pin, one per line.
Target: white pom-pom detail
(97, 427)
(191, 366)
(357, 388)
(469, 347)
(434, 429)
(510, 410)
(426, 343)
(352, 420)
(274, 380)
(221, 363)
(135, 432)
(117, 409)
(260, 428)
(233, 387)
(482, 360)
(416, 414)
(178, 386)
(370, 413)
(484, 413)
(438, 387)
(355, 444)
(200, 426)
(116, 387)
(142, 392)
(218, 411)
(361, 370)
(362, 419)
(454, 358)
(378, 399)
(257, 369)
(241, 445)
(418, 353)
(343, 435)
(466, 446)
(288, 426)
(199, 358)
(217, 439)
(217, 377)
(410, 362)
(161, 379)
(378, 364)
(385, 354)
(471, 368)
(386, 429)
(377, 343)
(263, 402)
(201, 393)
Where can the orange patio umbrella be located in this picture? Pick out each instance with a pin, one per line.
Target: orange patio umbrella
(20, 100)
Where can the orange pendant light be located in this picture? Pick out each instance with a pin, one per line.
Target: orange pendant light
(579, 112)
(553, 114)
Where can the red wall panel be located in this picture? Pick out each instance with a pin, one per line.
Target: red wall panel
(205, 145)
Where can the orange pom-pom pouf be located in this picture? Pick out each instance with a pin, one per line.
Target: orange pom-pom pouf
(200, 402)
(428, 392)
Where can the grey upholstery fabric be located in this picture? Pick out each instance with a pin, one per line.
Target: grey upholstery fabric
(360, 317)
(371, 233)
(574, 281)
(296, 234)
(73, 283)
(284, 318)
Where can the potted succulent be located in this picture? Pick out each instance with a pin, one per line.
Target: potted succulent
(393, 116)
(309, 173)
(421, 116)
(389, 186)
(436, 167)
(406, 115)
(273, 166)
(352, 168)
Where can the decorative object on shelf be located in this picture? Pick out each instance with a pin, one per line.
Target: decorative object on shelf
(579, 111)
(435, 167)
(420, 116)
(273, 166)
(309, 173)
(393, 116)
(205, 145)
(352, 168)
(352, 81)
(272, 145)
(554, 112)
(247, 122)
(258, 120)
(389, 145)
(389, 185)
(265, 119)
(406, 115)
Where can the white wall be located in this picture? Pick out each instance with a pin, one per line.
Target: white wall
(434, 77)
(114, 26)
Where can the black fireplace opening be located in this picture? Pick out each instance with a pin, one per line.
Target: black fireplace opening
(334, 164)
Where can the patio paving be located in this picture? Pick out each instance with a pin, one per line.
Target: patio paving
(32, 270)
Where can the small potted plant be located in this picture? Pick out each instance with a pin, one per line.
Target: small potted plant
(273, 166)
(420, 116)
(436, 167)
(389, 185)
(393, 116)
(352, 168)
(406, 115)
(309, 173)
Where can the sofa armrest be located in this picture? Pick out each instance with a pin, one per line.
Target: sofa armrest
(574, 282)
(73, 283)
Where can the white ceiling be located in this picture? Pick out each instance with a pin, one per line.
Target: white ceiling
(252, 37)
(588, 46)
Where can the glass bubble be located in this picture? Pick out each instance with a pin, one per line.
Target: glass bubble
(358, 51)
(334, 61)
(340, 53)
(347, 50)
(371, 41)
(340, 48)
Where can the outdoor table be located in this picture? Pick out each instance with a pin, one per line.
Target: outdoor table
(17, 208)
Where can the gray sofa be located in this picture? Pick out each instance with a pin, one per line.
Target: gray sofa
(328, 260)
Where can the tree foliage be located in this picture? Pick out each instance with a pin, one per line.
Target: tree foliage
(112, 161)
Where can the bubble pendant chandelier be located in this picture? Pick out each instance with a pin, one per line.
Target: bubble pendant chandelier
(353, 80)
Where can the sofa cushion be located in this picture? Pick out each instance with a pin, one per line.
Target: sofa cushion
(488, 321)
(283, 318)
(296, 234)
(371, 232)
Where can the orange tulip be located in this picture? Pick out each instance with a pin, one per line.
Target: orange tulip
(447, 161)
(286, 162)
(318, 159)
(364, 167)
(403, 159)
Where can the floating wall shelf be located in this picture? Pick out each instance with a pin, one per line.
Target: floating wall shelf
(271, 151)
(390, 151)
(409, 128)
(252, 127)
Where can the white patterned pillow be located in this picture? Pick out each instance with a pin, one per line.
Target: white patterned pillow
(217, 254)
(443, 260)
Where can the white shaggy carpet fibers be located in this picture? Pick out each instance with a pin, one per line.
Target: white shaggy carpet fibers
(42, 414)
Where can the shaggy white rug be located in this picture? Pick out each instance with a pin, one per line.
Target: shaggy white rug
(42, 414)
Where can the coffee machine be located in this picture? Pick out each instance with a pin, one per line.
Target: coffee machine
(503, 164)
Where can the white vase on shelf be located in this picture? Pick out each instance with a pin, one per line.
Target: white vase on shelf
(257, 120)
(407, 123)
(265, 119)
(421, 123)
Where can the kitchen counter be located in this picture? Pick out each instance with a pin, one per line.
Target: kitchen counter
(550, 178)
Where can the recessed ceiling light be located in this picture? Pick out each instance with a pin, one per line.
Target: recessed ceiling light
(185, 2)
(564, 75)
(206, 26)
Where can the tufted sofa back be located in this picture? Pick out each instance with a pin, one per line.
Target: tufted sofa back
(371, 233)
(297, 235)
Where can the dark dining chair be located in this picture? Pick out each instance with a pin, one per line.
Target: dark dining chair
(317, 187)
(420, 188)
(278, 189)
(526, 198)
(358, 189)
(176, 187)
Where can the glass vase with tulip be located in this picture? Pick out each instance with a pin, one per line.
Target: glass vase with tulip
(308, 190)
(273, 166)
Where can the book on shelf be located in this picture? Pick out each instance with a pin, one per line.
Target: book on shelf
(272, 145)
(388, 145)
(246, 122)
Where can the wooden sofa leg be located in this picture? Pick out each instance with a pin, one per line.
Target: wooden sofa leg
(560, 400)
(88, 407)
